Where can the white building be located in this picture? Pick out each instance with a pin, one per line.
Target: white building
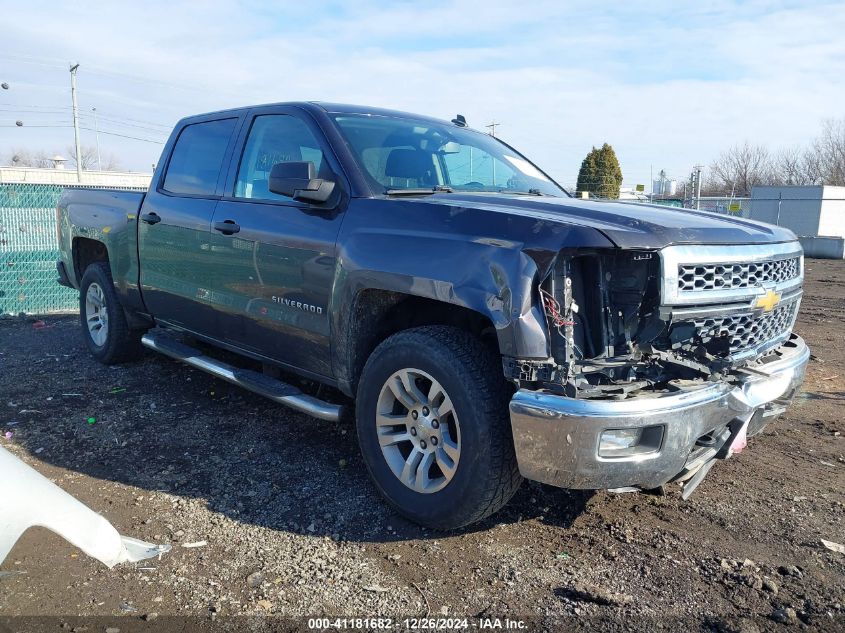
(815, 213)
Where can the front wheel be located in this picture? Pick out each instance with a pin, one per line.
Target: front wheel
(104, 328)
(433, 425)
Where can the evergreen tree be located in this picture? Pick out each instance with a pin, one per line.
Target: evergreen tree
(600, 173)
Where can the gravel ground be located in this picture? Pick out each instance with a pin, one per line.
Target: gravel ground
(293, 526)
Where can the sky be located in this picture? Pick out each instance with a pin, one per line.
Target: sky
(668, 84)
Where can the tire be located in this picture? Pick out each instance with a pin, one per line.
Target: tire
(113, 342)
(452, 488)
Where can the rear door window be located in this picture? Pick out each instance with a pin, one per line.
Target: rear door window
(197, 158)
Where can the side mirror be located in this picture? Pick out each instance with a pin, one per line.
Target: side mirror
(450, 147)
(297, 180)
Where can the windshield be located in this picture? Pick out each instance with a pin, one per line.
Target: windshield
(400, 154)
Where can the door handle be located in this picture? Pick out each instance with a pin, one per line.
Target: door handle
(151, 217)
(227, 227)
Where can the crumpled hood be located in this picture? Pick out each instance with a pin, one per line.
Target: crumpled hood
(629, 225)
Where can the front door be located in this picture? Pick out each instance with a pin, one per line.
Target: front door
(176, 260)
(277, 255)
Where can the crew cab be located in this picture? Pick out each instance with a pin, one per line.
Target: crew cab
(481, 324)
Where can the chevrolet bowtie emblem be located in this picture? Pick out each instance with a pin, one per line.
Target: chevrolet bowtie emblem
(768, 301)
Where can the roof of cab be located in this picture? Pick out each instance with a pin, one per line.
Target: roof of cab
(330, 108)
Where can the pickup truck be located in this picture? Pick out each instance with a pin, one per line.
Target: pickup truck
(487, 326)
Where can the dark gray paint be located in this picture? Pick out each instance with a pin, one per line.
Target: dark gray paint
(483, 252)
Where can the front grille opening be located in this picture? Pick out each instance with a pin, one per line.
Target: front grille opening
(731, 334)
(703, 277)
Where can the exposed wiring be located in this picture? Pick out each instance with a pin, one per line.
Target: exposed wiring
(553, 311)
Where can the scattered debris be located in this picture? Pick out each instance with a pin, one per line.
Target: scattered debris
(265, 604)
(195, 544)
(770, 586)
(376, 589)
(790, 570)
(427, 607)
(784, 615)
(8, 435)
(8, 574)
(255, 579)
(118, 390)
(30, 499)
(833, 547)
(92, 420)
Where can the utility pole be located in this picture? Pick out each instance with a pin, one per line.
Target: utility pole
(651, 182)
(73, 70)
(698, 187)
(492, 127)
(97, 133)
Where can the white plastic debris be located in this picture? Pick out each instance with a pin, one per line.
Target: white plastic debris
(29, 499)
(833, 547)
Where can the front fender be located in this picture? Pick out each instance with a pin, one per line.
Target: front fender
(488, 262)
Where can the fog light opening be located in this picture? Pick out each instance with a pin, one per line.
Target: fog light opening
(616, 441)
(631, 441)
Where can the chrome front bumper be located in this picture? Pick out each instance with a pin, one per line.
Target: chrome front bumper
(557, 438)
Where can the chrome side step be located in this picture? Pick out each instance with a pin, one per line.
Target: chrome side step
(254, 381)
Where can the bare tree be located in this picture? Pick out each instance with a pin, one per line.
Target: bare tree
(89, 157)
(795, 166)
(829, 150)
(739, 169)
(19, 157)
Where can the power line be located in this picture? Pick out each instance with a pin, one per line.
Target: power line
(134, 138)
(64, 110)
(90, 129)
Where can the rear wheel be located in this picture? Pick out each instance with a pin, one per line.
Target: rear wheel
(434, 429)
(104, 328)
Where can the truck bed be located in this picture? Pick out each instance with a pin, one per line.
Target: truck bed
(105, 215)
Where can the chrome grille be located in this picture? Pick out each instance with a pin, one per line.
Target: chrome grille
(747, 330)
(702, 277)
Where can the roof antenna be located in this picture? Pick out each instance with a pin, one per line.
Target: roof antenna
(460, 120)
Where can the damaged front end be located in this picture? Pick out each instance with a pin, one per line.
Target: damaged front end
(637, 337)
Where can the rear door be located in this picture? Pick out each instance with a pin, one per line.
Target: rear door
(174, 225)
(278, 267)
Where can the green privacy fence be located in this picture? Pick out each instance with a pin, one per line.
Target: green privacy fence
(28, 251)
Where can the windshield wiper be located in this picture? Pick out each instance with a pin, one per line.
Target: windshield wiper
(419, 191)
(530, 192)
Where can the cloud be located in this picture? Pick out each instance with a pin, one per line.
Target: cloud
(668, 85)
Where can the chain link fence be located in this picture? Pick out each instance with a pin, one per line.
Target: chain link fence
(739, 207)
(29, 251)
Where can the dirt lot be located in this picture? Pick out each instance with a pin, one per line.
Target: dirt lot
(176, 457)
